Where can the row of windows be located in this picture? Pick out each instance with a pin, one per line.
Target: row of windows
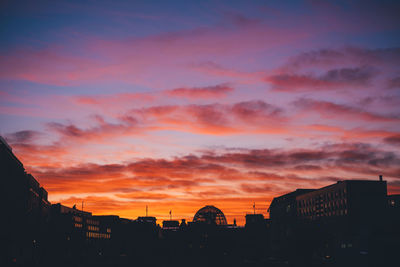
(330, 206)
(93, 228)
(349, 245)
(78, 225)
(313, 215)
(92, 222)
(97, 235)
(108, 230)
(338, 196)
(77, 219)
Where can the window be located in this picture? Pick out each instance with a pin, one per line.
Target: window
(288, 208)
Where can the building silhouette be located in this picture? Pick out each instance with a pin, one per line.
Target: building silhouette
(348, 223)
(336, 222)
(210, 215)
(170, 225)
(26, 210)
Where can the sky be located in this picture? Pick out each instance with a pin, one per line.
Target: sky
(181, 104)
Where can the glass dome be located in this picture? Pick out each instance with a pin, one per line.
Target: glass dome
(210, 215)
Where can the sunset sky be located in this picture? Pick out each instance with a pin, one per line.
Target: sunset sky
(181, 104)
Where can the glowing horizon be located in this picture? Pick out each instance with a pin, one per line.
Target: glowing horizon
(181, 105)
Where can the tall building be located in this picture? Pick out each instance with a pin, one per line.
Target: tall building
(342, 220)
(26, 208)
(285, 206)
(353, 199)
(283, 215)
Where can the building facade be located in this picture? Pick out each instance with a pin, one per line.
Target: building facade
(27, 210)
(340, 221)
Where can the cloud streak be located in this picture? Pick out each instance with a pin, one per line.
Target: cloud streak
(332, 79)
(200, 92)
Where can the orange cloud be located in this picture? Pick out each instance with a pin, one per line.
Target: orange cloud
(229, 179)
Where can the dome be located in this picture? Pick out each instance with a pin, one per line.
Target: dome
(210, 215)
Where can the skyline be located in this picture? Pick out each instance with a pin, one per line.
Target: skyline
(180, 105)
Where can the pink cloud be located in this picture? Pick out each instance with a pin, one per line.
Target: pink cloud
(335, 111)
(139, 60)
(332, 79)
(201, 92)
(110, 101)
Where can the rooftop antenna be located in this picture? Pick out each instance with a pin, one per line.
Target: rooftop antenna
(380, 178)
(147, 211)
(254, 207)
(170, 215)
(82, 205)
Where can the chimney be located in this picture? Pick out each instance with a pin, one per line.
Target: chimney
(380, 178)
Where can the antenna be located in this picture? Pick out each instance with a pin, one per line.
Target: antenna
(170, 215)
(82, 205)
(146, 211)
(254, 207)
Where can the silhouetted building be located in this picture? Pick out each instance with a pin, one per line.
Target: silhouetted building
(394, 201)
(170, 225)
(352, 198)
(79, 224)
(285, 206)
(26, 208)
(210, 215)
(255, 220)
(183, 224)
(107, 223)
(337, 221)
(349, 223)
(75, 235)
(283, 215)
(147, 219)
(389, 242)
(255, 236)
